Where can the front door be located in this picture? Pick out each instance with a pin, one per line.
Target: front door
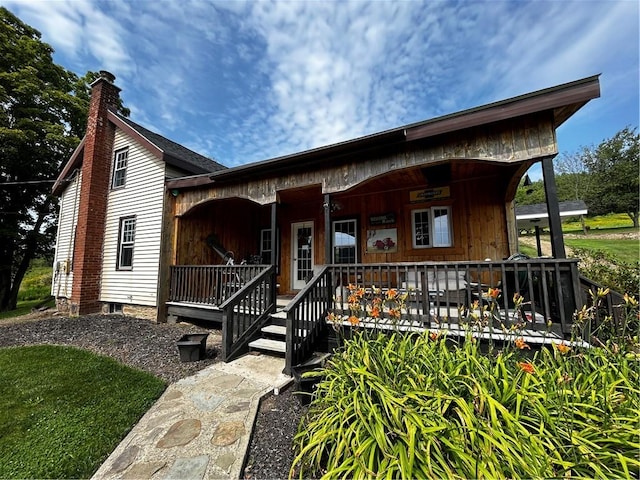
(301, 254)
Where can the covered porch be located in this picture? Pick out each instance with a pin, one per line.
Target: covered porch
(425, 211)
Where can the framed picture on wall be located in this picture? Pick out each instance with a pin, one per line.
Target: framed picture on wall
(383, 240)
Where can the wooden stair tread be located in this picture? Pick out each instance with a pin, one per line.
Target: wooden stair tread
(267, 344)
(275, 330)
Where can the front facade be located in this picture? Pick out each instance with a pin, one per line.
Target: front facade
(427, 208)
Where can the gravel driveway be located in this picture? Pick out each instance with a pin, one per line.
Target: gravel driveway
(152, 347)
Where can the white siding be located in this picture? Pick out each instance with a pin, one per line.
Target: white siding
(141, 196)
(63, 257)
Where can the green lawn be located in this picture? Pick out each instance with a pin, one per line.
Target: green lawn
(64, 410)
(618, 222)
(627, 250)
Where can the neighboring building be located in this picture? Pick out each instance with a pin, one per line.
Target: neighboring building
(111, 211)
(426, 208)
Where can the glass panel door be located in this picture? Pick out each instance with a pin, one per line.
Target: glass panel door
(301, 254)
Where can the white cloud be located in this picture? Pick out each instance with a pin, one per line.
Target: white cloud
(252, 80)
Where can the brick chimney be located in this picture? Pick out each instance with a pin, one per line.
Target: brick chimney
(92, 208)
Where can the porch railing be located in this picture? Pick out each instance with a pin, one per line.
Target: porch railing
(246, 312)
(306, 315)
(444, 292)
(611, 309)
(209, 284)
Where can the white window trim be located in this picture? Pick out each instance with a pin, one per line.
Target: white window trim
(122, 244)
(120, 154)
(432, 230)
(333, 236)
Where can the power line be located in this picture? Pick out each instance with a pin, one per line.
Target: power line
(29, 182)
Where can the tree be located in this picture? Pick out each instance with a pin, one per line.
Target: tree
(613, 168)
(43, 114)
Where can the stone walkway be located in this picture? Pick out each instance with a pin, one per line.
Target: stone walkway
(201, 426)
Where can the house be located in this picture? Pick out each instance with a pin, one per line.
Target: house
(111, 211)
(427, 209)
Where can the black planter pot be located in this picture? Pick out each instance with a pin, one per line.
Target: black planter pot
(306, 386)
(193, 347)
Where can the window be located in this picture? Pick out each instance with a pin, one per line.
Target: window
(120, 168)
(431, 227)
(266, 249)
(345, 241)
(126, 239)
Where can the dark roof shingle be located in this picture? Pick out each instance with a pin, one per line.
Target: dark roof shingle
(176, 154)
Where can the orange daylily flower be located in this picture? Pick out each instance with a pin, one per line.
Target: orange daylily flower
(433, 336)
(360, 292)
(527, 367)
(392, 293)
(562, 347)
(521, 344)
(493, 293)
(331, 317)
(394, 313)
(353, 320)
(375, 312)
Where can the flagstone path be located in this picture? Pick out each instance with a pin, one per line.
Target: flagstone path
(201, 426)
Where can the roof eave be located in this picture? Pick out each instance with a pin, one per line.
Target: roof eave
(74, 161)
(563, 100)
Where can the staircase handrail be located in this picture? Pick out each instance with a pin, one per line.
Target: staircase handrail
(241, 324)
(306, 315)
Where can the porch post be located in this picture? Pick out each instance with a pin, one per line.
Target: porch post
(553, 209)
(274, 239)
(274, 253)
(327, 229)
(538, 244)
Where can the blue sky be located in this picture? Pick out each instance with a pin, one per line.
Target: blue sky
(247, 81)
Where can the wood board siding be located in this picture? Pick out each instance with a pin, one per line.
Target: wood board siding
(62, 281)
(515, 141)
(142, 197)
(478, 215)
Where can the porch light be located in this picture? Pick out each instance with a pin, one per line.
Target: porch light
(175, 192)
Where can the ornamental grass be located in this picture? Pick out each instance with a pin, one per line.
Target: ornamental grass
(424, 406)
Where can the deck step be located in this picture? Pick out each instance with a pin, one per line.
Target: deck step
(270, 345)
(275, 330)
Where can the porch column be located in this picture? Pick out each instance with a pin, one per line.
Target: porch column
(274, 238)
(327, 229)
(553, 209)
(274, 252)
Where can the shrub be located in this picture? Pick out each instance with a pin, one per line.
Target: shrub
(423, 406)
(609, 271)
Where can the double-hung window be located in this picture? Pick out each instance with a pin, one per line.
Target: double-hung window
(126, 239)
(345, 241)
(431, 227)
(120, 160)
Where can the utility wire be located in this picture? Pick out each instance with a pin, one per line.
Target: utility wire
(30, 182)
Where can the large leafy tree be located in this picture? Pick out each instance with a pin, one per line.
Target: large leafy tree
(43, 114)
(614, 182)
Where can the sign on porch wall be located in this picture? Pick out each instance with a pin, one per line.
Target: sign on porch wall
(383, 240)
(427, 194)
(382, 219)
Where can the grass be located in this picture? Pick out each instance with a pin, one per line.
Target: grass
(627, 250)
(618, 222)
(36, 284)
(26, 306)
(64, 410)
